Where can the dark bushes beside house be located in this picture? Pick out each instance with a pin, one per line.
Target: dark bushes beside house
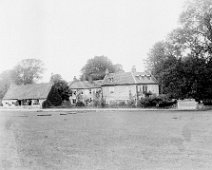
(80, 104)
(207, 102)
(53, 99)
(99, 103)
(46, 104)
(156, 101)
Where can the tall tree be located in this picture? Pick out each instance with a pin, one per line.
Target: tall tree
(55, 78)
(61, 86)
(182, 63)
(96, 67)
(28, 71)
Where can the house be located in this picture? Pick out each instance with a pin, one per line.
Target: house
(32, 95)
(85, 91)
(125, 86)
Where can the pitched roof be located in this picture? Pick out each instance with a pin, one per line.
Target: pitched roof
(118, 78)
(31, 91)
(85, 84)
(127, 78)
(97, 83)
(144, 78)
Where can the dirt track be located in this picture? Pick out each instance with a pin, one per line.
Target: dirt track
(156, 140)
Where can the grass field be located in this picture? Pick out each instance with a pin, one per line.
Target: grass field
(106, 140)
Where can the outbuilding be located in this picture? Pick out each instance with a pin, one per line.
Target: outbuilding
(30, 96)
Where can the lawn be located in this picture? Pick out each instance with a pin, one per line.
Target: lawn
(106, 140)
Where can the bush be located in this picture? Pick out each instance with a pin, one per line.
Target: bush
(66, 104)
(80, 104)
(131, 103)
(122, 104)
(46, 104)
(99, 103)
(156, 101)
(54, 97)
(207, 101)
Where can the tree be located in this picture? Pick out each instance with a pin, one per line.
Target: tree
(54, 98)
(197, 17)
(96, 67)
(5, 81)
(28, 71)
(183, 62)
(61, 86)
(118, 68)
(55, 78)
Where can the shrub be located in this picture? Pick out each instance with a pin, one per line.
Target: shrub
(54, 97)
(46, 104)
(103, 103)
(156, 101)
(80, 104)
(131, 103)
(167, 103)
(66, 104)
(122, 104)
(207, 101)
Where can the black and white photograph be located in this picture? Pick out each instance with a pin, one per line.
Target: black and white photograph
(105, 84)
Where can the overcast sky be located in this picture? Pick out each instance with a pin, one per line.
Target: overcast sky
(66, 33)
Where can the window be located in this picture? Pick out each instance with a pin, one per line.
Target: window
(111, 79)
(36, 102)
(140, 88)
(145, 88)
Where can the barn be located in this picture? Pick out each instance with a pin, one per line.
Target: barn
(29, 96)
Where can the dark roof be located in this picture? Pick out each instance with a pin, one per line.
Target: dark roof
(85, 84)
(32, 91)
(128, 78)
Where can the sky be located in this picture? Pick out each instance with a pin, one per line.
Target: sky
(64, 34)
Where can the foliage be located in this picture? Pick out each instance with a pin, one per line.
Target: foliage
(5, 82)
(46, 104)
(55, 78)
(97, 67)
(99, 103)
(207, 101)
(131, 103)
(183, 62)
(28, 71)
(80, 104)
(156, 101)
(61, 86)
(54, 98)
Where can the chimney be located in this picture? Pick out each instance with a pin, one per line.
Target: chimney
(133, 69)
(74, 79)
(106, 71)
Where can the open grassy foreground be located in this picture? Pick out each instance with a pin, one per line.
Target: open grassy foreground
(106, 140)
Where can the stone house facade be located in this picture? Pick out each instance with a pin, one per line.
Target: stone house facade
(85, 91)
(126, 86)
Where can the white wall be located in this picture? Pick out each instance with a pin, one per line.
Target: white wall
(9, 103)
(118, 93)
